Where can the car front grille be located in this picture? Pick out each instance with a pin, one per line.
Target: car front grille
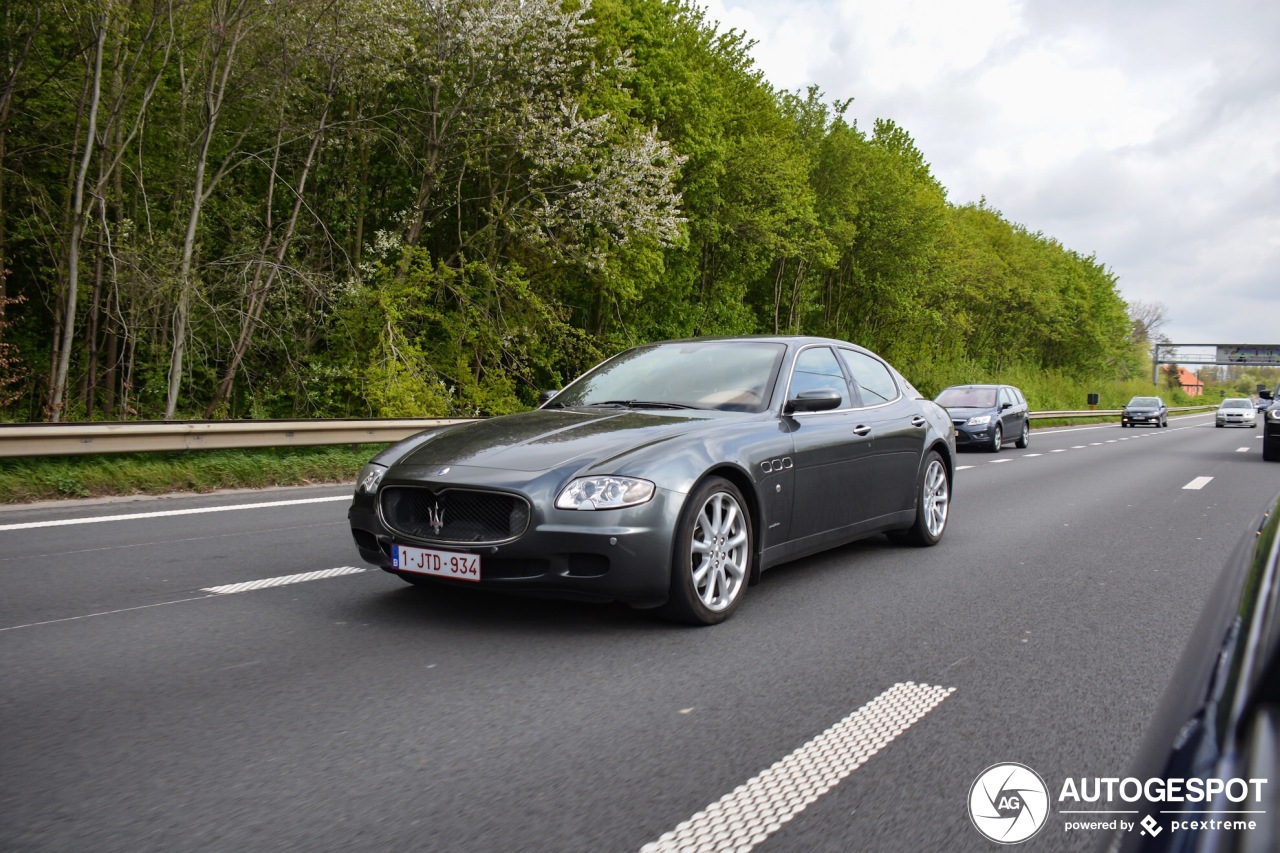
(456, 516)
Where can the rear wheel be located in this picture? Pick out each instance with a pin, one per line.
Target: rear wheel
(997, 439)
(933, 504)
(712, 558)
(1024, 440)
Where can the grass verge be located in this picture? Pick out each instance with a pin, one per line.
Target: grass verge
(28, 479)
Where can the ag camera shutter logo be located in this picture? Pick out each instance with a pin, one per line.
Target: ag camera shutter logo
(1008, 803)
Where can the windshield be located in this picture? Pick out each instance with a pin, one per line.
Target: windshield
(1237, 404)
(967, 398)
(1145, 403)
(722, 375)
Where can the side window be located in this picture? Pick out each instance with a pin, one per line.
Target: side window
(816, 368)
(873, 378)
(1004, 398)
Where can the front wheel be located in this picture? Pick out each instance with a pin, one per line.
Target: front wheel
(933, 504)
(997, 439)
(712, 558)
(1024, 440)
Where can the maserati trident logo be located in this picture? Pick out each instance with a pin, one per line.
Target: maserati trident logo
(1008, 803)
(435, 518)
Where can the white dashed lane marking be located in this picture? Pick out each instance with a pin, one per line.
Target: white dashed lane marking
(266, 583)
(755, 810)
(1198, 483)
(98, 519)
(1242, 450)
(210, 592)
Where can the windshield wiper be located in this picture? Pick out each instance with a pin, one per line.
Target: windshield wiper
(640, 404)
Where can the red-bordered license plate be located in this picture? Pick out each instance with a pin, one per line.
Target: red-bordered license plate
(428, 561)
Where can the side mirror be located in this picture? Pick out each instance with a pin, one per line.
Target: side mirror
(815, 400)
(1264, 394)
(1004, 406)
(545, 397)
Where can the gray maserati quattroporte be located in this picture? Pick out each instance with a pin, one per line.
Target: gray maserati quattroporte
(669, 477)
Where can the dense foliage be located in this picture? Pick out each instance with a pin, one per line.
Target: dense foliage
(275, 208)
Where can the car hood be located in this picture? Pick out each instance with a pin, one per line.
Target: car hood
(968, 411)
(547, 438)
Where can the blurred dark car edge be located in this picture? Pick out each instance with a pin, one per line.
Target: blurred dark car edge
(1219, 717)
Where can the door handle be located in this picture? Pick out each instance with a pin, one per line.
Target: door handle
(861, 429)
(917, 421)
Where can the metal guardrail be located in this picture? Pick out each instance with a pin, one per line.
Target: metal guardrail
(1102, 413)
(150, 436)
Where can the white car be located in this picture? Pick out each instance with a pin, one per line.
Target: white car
(1237, 411)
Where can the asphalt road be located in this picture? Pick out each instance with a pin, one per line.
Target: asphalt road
(347, 711)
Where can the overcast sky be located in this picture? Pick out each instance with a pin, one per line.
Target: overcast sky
(1145, 132)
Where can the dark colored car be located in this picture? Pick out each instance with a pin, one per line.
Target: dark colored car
(1271, 425)
(668, 477)
(1145, 410)
(986, 416)
(1219, 719)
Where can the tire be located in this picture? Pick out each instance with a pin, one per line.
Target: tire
(1164, 422)
(711, 561)
(1123, 425)
(1024, 440)
(1271, 450)
(1219, 426)
(997, 439)
(933, 505)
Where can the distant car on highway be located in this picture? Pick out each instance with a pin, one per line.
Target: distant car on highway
(1145, 410)
(986, 415)
(1236, 411)
(1219, 717)
(667, 477)
(1271, 425)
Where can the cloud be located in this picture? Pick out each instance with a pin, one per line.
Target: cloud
(1146, 133)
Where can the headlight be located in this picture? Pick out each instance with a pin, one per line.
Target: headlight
(1275, 414)
(979, 420)
(604, 493)
(370, 477)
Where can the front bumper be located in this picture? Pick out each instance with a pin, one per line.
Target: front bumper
(1134, 418)
(969, 435)
(602, 555)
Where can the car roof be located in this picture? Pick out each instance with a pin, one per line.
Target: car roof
(802, 340)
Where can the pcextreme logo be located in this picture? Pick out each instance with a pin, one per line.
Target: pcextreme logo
(1008, 803)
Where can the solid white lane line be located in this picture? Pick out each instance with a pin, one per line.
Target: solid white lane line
(97, 519)
(754, 811)
(1198, 483)
(105, 613)
(228, 589)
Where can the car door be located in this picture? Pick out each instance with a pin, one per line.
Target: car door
(827, 448)
(887, 474)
